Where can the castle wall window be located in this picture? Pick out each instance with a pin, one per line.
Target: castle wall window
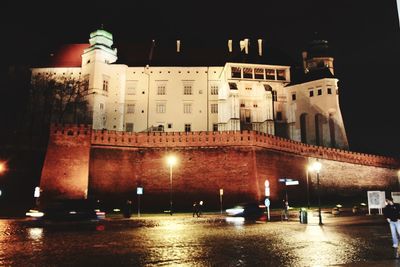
(279, 115)
(319, 91)
(293, 97)
(130, 108)
(233, 86)
(169, 125)
(280, 75)
(259, 73)
(131, 87)
(311, 92)
(214, 108)
(160, 107)
(129, 127)
(214, 89)
(215, 127)
(236, 72)
(270, 74)
(161, 90)
(187, 90)
(248, 73)
(188, 127)
(101, 106)
(187, 108)
(329, 91)
(105, 85)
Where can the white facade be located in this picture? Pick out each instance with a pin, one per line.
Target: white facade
(236, 96)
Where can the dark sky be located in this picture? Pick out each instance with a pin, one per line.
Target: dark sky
(363, 35)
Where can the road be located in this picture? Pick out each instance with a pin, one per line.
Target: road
(211, 240)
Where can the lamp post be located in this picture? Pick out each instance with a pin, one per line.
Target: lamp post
(171, 160)
(317, 167)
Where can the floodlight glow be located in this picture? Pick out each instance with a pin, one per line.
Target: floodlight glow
(316, 166)
(171, 160)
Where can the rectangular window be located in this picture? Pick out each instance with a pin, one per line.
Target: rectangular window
(270, 74)
(188, 127)
(129, 127)
(293, 97)
(233, 86)
(236, 72)
(160, 108)
(259, 73)
(187, 108)
(280, 74)
(319, 91)
(130, 108)
(311, 92)
(215, 127)
(214, 108)
(329, 91)
(101, 106)
(169, 125)
(214, 89)
(187, 90)
(279, 115)
(105, 85)
(161, 90)
(248, 73)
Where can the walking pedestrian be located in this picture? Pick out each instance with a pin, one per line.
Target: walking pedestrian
(392, 214)
(195, 209)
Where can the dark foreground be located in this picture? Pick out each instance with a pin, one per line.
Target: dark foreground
(181, 240)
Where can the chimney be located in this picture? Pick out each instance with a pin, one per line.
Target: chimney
(304, 55)
(178, 46)
(246, 46)
(230, 46)
(259, 47)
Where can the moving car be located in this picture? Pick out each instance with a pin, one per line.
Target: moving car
(250, 210)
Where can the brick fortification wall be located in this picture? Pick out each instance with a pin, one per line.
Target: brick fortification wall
(238, 162)
(66, 167)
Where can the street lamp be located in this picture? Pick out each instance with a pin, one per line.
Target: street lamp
(316, 166)
(2, 167)
(171, 160)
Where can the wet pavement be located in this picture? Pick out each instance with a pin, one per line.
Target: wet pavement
(211, 240)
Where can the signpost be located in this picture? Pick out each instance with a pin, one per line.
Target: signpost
(221, 193)
(376, 200)
(139, 191)
(267, 194)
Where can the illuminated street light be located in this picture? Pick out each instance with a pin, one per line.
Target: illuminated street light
(171, 160)
(2, 167)
(316, 166)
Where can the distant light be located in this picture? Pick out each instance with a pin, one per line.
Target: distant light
(316, 166)
(34, 213)
(339, 205)
(36, 193)
(72, 212)
(116, 210)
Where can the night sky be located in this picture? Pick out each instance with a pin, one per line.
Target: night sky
(364, 38)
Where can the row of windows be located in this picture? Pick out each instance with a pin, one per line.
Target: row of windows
(257, 73)
(161, 90)
(129, 127)
(319, 92)
(162, 108)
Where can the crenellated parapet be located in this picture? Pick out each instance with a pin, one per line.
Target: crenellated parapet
(236, 138)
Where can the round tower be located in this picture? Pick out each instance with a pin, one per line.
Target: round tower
(317, 56)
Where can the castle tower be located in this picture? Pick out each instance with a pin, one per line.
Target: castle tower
(314, 101)
(97, 70)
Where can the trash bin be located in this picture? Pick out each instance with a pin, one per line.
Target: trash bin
(303, 215)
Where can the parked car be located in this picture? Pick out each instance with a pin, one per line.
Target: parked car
(250, 210)
(68, 210)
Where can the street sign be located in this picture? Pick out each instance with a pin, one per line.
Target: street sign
(139, 191)
(267, 202)
(266, 183)
(284, 180)
(292, 182)
(267, 192)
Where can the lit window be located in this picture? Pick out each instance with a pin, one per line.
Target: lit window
(160, 108)
(258, 73)
(187, 108)
(214, 108)
(270, 74)
(188, 127)
(130, 108)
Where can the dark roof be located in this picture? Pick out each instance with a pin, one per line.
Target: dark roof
(298, 76)
(193, 53)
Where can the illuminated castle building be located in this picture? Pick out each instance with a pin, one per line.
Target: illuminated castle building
(246, 93)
